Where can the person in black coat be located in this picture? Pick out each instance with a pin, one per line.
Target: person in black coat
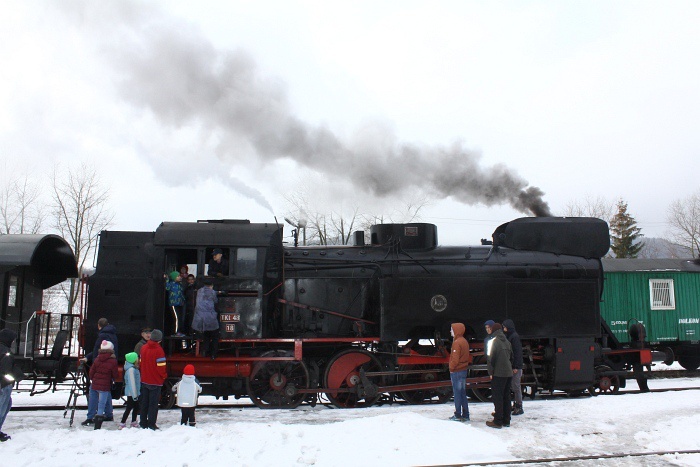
(7, 376)
(514, 339)
(106, 332)
(190, 303)
(218, 265)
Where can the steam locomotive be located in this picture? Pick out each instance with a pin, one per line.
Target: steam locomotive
(365, 322)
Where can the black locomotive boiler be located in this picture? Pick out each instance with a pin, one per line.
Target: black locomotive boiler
(357, 323)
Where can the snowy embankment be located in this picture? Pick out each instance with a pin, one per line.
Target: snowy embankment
(391, 435)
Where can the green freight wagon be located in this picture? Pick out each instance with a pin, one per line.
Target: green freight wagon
(661, 294)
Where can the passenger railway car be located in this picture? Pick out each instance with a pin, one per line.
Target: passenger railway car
(46, 348)
(661, 294)
(358, 323)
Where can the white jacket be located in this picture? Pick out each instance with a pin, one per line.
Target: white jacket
(187, 390)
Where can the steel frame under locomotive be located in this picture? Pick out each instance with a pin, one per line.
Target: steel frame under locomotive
(357, 322)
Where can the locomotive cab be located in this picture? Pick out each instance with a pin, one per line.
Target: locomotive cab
(240, 258)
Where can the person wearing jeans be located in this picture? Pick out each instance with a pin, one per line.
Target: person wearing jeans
(459, 361)
(153, 376)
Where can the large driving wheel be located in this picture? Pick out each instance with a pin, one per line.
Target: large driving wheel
(167, 396)
(482, 394)
(275, 384)
(428, 374)
(344, 372)
(604, 384)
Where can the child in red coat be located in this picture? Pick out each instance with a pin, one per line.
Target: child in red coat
(103, 372)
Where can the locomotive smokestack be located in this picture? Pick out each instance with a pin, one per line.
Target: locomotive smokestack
(169, 69)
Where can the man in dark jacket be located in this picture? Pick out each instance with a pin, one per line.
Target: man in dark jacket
(499, 356)
(517, 346)
(190, 302)
(106, 332)
(153, 375)
(218, 265)
(7, 377)
(145, 337)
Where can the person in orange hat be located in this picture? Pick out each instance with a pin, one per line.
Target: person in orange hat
(187, 391)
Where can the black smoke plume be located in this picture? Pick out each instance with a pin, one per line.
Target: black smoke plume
(168, 67)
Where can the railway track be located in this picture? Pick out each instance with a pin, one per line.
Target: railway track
(549, 460)
(38, 408)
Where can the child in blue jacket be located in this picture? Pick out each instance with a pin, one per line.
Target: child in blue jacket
(132, 390)
(176, 300)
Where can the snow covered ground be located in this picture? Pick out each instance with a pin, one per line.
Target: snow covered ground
(390, 435)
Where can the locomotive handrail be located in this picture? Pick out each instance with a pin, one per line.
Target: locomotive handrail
(313, 308)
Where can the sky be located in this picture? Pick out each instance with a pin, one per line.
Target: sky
(386, 436)
(489, 111)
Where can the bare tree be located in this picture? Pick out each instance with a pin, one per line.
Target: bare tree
(591, 207)
(336, 227)
(684, 221)
(21, 209)
(318, 228)
(80, 213)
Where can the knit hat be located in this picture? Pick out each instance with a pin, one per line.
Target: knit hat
(174, 275)
(495, 327)
(131, 357)
(7, 336)
(106, 345)
(157, 335)
(489, 323)
(189, 370)
(217, 251)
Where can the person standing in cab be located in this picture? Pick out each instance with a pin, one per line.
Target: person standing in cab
(218, 266)
(206, 319)
(176, 299)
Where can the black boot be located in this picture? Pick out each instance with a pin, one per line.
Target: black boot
(98, 421)
(193, 423)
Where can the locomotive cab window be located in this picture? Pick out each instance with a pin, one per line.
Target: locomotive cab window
(246, 262)
(217, 261)
(183, 261)
(661, 294)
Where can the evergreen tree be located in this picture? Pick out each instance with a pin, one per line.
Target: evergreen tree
(625, 233)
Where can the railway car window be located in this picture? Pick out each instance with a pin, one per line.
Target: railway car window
(246, 262)
(12, 292)
(661, 294)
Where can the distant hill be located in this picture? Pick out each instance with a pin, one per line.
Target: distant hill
(661, 248)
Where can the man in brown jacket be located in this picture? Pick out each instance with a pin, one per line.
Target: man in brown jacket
(459, 361)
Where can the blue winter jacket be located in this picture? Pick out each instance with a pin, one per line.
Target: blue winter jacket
(132, 381)
(107, 333)
(175, 295)
(205, 317)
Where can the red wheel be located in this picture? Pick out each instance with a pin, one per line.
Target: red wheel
(604, 384)
(274, 384)
(344, 372)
